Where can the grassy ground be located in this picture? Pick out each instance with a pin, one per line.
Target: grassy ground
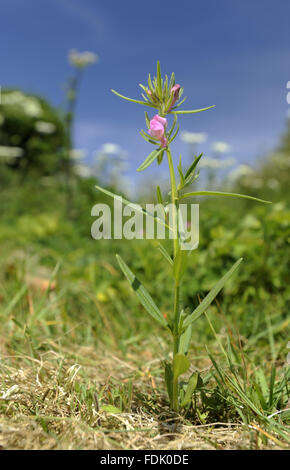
(81, 364)
(51, 403)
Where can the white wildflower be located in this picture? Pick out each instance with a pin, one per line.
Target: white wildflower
(78, 154)
(227, 162)
(44, 127)
(29, 104)
(31, 107)
(111, 149)
(82, 59)
(221, 147)
(83, 171)
(241, 171)
(209, 162)
(10, 152)
(193, 137)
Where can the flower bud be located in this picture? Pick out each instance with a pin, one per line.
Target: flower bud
(164, 142)
(175, 91)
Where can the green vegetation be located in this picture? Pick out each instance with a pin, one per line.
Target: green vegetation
(80, 362)
(31, 126)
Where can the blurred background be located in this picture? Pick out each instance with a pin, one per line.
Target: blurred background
(62, 131)
(234, 55)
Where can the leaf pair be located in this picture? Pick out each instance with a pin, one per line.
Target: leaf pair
(150, 306)
(187, 178)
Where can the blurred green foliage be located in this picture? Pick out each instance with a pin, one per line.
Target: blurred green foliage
(36, 232)
(32, 134)
(59, 286)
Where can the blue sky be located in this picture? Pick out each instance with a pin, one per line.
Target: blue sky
(231, 53)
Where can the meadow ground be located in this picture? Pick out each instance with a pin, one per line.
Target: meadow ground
(81, 363)
(52, 403)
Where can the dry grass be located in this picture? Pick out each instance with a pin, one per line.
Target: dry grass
(50, 402)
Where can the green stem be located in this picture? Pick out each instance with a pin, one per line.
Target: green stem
(173, 200)
(70, 116)
(175, 391)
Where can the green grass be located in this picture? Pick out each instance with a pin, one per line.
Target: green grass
(80, 359)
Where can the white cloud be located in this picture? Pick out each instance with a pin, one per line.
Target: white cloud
(78, 10)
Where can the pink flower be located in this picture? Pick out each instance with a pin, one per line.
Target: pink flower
(160, 119)
(157, 129)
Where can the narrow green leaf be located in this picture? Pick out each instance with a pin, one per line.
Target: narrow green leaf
(160, 157)
(218, 369)
(132, 100)
(272, 386)
(182, 180)
(168, 104)
(172, 127)
(211, 295)
(193, 166)
(231, 382)
(191, 387)
(111, 409)
(150, 159)
(145, 136)
(219, 193)
(147, 119)
(142, 86)
(109, 193)
(19, 294)
(142, 294)
(159, 195)
(180, 264)
(165, 254)
(147, 140)
(159, 79)
(185, 339)
(172, 81)
(142, 211)
(174, 135)
(169, 380)
(150, 83)
(192, 111)
(165, 85)
(190, 179)
(180, 365)
(182, 101)
(181, 91)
